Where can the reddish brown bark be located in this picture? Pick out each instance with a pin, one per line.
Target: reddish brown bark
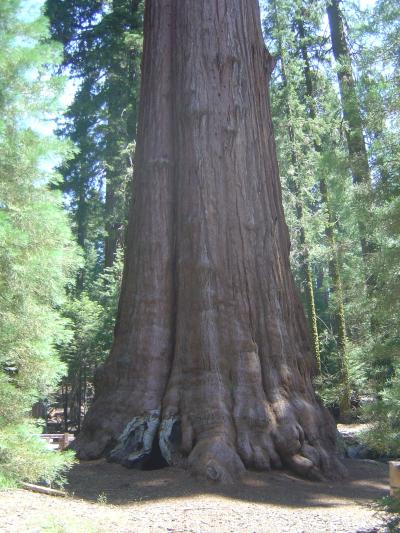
(211, 357)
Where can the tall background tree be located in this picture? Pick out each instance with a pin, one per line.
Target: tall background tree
(378, 63)
(102, 51)
(306, 112)
(346, 187)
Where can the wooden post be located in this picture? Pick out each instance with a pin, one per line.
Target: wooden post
(394, 476)
(65, 398)
(64, 442)
(79, 399)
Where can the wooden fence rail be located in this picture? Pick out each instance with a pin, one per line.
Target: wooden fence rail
(59, 441)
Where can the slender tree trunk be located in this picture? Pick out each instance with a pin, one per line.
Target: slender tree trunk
(113, 227)
(81, 225)
(306, 266)
(334, 266)
(115, 166)
(84, 389)
(321, 289)
(340, 321)
(211, 359)
(312, 312)
(306, 269)
(295, 190)
(114, 170)
(351, 108)
(358, 156)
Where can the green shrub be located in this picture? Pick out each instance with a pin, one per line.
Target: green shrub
(384, 436)
(24, 456)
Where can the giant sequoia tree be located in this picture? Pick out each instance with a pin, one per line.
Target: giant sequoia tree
(211, 359)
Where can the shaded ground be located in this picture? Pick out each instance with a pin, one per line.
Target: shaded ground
(107, 497)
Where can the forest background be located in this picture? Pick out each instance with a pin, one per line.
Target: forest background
(66, 175)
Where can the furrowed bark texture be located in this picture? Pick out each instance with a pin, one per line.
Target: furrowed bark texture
(211, 360)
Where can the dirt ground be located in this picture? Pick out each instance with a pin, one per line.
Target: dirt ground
(109, 498)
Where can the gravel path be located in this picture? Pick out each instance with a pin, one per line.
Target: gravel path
(106, 497)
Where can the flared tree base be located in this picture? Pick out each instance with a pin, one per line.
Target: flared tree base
(297, 436)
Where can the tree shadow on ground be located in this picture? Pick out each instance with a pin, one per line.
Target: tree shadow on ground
(367, 481)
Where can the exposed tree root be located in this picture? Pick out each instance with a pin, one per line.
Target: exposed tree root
(258, 443)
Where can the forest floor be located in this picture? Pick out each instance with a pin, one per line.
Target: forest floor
(106, 497)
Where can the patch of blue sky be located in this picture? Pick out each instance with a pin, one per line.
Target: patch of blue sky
(31, 10)
(367, 3)
(46, 123)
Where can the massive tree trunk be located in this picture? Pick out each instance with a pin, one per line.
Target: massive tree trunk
(211, 359)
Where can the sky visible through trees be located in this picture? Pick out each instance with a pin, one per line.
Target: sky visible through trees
(35, 5)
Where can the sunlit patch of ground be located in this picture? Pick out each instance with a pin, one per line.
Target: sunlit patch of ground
(107, 497)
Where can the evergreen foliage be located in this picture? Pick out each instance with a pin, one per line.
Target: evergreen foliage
(37, 254)
(349, 205)
(102, 50)
(378, 64)
(91, 313)
(312, 163)
(102, 43)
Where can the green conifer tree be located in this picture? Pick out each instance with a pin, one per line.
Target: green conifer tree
(37, 254)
